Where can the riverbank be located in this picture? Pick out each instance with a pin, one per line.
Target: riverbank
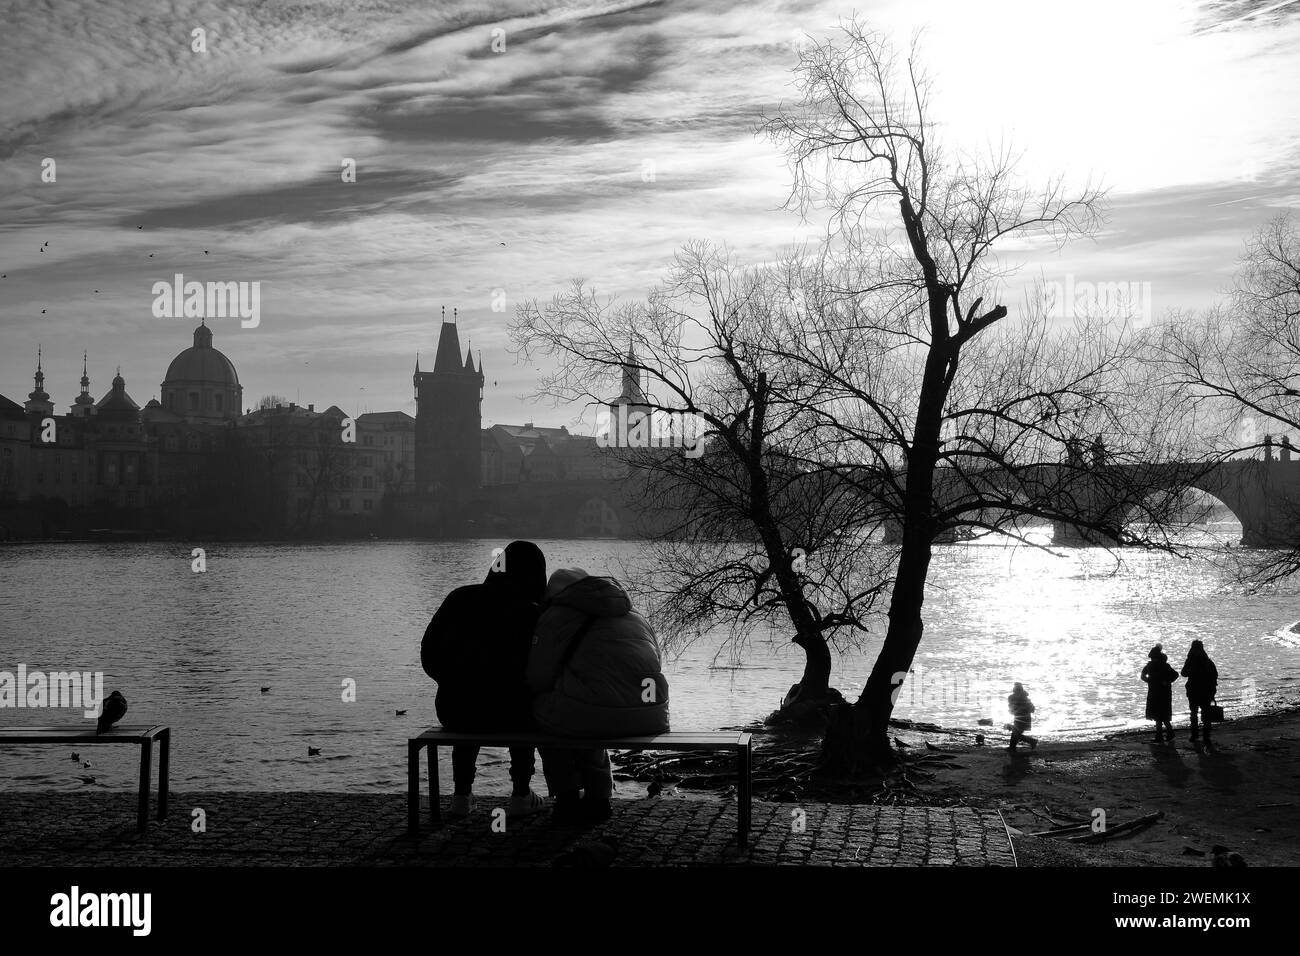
(1239, 793)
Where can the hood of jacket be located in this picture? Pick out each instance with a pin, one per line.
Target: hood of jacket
(603, 597)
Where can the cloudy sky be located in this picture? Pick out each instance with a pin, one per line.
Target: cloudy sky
(519, 170)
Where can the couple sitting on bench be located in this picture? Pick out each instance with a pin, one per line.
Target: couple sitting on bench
(567, 657)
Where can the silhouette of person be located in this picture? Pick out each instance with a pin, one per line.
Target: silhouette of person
(596, 670)
(1202, 686)
(1022, 709)
(1159, 677)
(476, 648)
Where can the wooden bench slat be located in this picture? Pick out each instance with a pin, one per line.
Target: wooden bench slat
(74, 734)
(669, 741)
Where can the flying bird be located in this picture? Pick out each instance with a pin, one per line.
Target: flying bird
(266, 690)
(114, 709)
(313, 751)
(139, 227)
(42, 311)
(87, 779)
(401, 713)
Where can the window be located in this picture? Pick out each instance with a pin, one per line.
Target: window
(367, 481)
(345, 504)
(366, 461)
(302, 481)
(194, 401)
(367, 505)
(216, 401)
(367, 439)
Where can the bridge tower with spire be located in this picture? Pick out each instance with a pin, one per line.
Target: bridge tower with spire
(448, 420)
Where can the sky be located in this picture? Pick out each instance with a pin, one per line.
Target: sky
(505, 148)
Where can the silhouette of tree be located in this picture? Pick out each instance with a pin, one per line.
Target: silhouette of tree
(1238, 364)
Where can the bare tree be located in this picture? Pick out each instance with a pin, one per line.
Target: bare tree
(1238, 365)
(754, 536)
(962, 418)
(865, 385)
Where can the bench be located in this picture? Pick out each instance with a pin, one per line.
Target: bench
(436, 737)
(142, 735)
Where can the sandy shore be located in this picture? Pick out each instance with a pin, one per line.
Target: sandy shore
(1240, 793)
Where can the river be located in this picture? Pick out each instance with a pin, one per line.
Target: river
(194, 650)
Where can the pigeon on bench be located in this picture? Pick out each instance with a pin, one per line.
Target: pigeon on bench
(114, 709)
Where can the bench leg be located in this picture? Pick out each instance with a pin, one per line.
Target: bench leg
(164, 768)
(743, 796)
(413, 787)
(142, 814)
(435, 788)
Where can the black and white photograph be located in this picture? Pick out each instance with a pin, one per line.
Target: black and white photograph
(853, 444)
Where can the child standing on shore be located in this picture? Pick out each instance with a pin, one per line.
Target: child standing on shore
(1022, 709)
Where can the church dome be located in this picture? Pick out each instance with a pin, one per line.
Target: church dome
(201, 363)
(117, 405)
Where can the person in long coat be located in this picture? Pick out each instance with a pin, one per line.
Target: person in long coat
(1159, 677)
(1202, 685)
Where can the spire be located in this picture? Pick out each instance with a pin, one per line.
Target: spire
(417, 363)
(469, 356)
(448, 358)
(84, 400)
(38, 394)
(631, 378)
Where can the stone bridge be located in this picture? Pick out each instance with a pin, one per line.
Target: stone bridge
(1264, 495)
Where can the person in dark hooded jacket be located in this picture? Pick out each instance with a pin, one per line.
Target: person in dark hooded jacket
(596, 671)
(1201, 687)
(476, 648)
(1159, 677)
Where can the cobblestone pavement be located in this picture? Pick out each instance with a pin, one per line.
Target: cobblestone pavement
(346, 829)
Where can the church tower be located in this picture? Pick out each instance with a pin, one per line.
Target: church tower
(38, 400)
(448, 420)
(630, 422)
(83, 405)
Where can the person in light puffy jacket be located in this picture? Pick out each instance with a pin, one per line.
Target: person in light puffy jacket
(595, 671)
